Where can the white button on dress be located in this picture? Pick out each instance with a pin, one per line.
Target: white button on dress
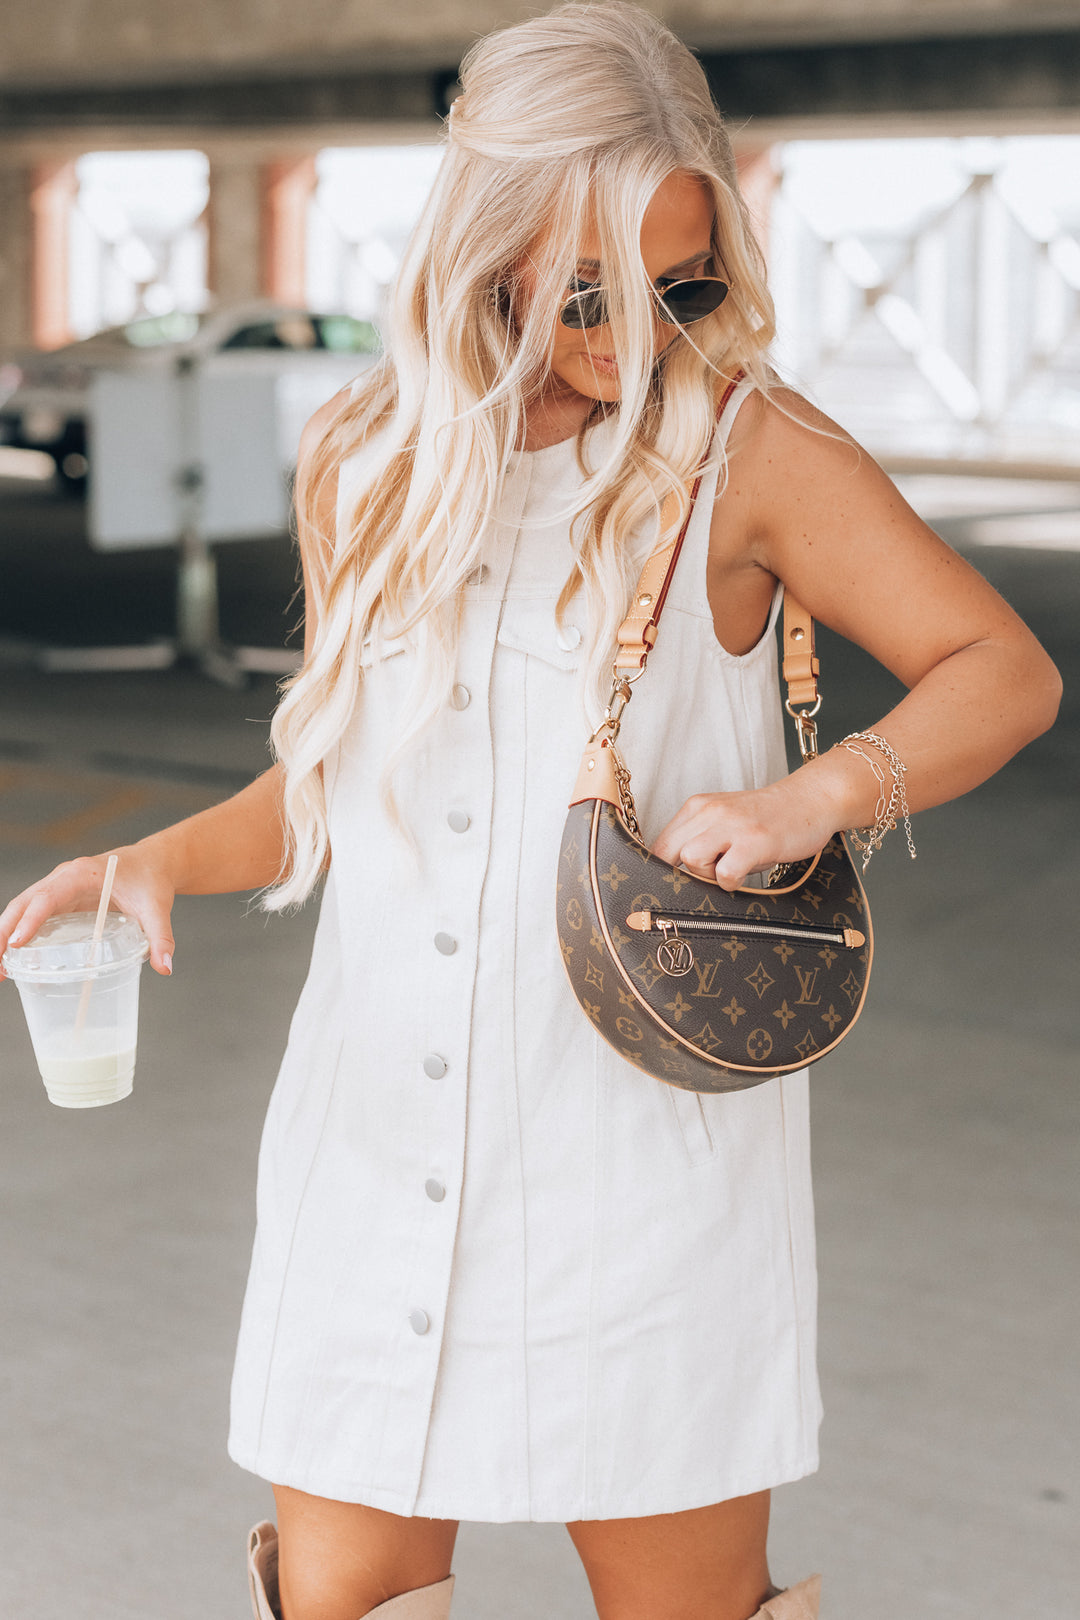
(618, 1281)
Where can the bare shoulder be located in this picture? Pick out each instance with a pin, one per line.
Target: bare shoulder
(782, 442)
(812, 508)
(796, 478)
(317, 427)
(316, 476)
(780, 448)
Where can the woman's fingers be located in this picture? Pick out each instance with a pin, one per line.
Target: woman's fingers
(709, 842)
(59, 891)
(728, 836)
(76, 886)
(9, 919)
(162, 944)
(36, 910)
(728, 867)
(680, 828)
(71, 886)
(733, 869)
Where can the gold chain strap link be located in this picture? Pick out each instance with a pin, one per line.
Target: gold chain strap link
(621, 693)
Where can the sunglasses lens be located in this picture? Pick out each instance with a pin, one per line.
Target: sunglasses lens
(692, 300)
(585, 309)
(682, 302)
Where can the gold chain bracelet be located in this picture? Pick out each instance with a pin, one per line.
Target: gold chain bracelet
(889, 807)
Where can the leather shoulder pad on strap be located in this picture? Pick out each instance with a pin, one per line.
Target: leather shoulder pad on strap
(800, 668)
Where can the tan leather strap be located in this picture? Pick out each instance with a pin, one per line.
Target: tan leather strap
(800, 665)
(637, 633)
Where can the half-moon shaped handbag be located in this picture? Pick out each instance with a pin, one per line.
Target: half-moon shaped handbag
(705, 989)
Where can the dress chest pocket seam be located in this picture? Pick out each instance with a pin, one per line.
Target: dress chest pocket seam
(528, 625)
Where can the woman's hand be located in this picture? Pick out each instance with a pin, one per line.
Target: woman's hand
(727, 836)
(234, 846)
(142, 888)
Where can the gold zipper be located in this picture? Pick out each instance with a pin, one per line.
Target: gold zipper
(688, 922)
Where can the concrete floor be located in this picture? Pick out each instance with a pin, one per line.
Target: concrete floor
(948, 1198)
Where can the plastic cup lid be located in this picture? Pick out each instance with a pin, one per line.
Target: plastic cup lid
(61, 948)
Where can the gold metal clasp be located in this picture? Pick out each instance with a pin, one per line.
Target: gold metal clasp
(805, 727)
(620, 696)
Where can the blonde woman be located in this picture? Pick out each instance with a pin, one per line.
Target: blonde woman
(500, 1273)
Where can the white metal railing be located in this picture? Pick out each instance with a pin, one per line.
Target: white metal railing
(365, 203)
(928, 296)
(138, 237)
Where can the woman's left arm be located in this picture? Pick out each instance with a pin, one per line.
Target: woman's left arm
(811, 508)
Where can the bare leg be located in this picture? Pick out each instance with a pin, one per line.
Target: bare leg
(340, 1560)
(705, 1564)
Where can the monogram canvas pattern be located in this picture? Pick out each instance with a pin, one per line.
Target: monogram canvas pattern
(731, 1010)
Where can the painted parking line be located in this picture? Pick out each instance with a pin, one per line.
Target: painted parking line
(47, 808)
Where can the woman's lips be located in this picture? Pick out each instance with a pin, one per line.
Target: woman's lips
(604, 362)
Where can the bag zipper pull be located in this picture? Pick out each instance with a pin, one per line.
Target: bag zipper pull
(674, 957)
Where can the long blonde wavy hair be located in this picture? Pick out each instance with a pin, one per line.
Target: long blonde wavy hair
(566, 120)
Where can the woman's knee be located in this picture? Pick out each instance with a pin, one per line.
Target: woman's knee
(707, 1563)
(340, 1560)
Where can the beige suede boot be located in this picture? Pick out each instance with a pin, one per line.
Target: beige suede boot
(794, 1603)
(424, 1603)
(262, 1572)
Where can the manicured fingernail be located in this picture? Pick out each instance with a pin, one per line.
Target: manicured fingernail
(16, 939)
(166, 962)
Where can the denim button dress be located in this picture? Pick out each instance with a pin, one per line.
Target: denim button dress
(500, 1274)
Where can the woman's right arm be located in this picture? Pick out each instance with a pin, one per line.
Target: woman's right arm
(231, 846)
(237, 845)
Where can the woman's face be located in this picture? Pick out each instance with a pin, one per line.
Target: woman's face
(676, 245)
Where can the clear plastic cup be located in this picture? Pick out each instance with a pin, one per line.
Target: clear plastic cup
(82, 1005)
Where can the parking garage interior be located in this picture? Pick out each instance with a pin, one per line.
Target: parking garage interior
(144, 626)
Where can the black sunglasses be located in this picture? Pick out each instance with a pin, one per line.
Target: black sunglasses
(679, 303)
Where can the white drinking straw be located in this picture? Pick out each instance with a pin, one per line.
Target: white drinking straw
(95, 942)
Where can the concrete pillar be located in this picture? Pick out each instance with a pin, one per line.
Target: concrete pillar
(16, 235)
(758, 179)
(53, 190)
(288, 187)
(235, 221)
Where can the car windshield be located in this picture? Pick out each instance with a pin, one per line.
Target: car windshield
(152, 331)
(341, 334)
(337, 334)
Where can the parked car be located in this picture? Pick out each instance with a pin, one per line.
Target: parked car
(45, 397)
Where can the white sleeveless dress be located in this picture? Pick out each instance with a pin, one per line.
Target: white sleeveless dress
(500, 1274)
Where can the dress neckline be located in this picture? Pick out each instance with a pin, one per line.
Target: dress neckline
(558, 444)
(543, 449)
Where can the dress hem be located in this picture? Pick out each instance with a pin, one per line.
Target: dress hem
(476, 1512)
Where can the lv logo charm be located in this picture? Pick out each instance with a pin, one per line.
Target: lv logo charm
(674, 957)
